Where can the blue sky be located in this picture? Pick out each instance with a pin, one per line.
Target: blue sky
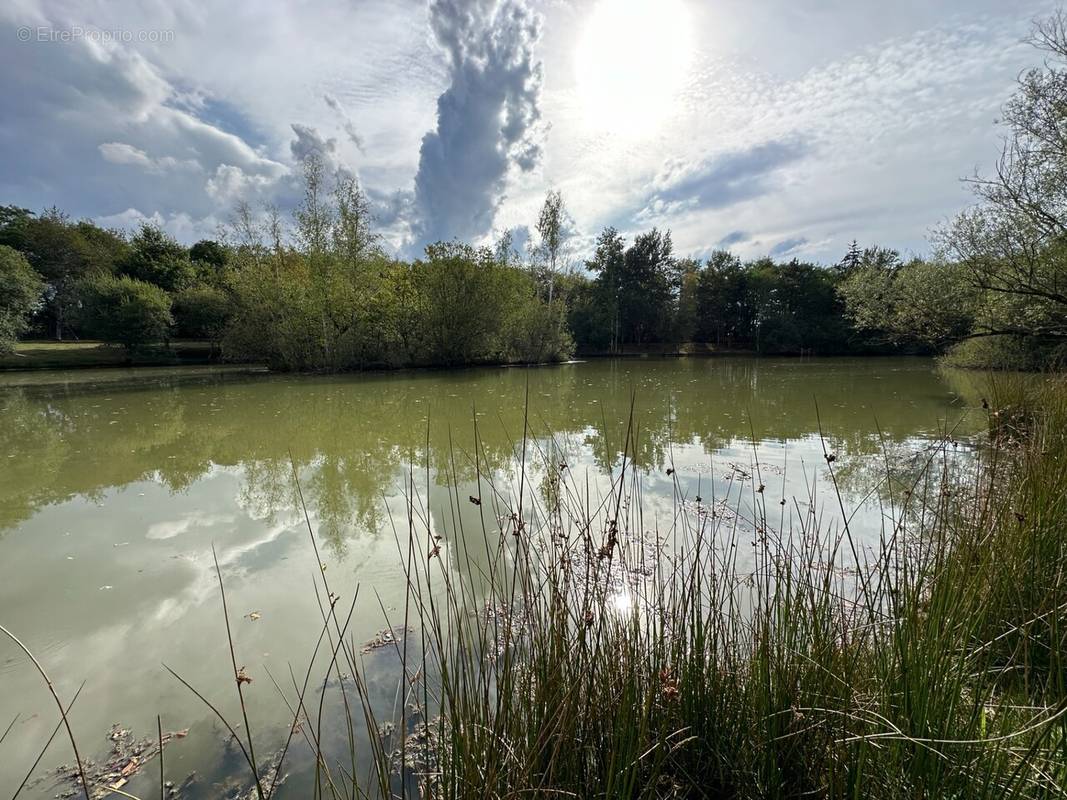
(769, 126)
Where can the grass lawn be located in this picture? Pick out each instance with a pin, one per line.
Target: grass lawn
(66, 355)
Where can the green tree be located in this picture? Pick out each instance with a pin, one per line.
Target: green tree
(647, 287)
(65, 254)
(505, 250)
(534, 332)
(202, 312)
(925, 303)
(724, 314)
(1012, 244)
(126, 311)
(464, 299)
(155, 257)
(20, 295)
(636, 286)
(209, 252)
(101, 248)
(799, 310)
(685, 326)
(609, 264)
(13, 223)
(352, 233)
(851, 262)
(324, 303)
(552, 227)
(590, 316)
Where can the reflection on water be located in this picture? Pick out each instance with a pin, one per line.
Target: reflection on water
(113, 492)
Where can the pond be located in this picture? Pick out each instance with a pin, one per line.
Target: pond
(117, 484)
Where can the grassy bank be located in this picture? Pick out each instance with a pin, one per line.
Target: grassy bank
(744, 651)
(74, 355)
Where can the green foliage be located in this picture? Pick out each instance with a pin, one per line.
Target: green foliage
(102, 249)
(324, 304)
(126, 311)
(796, 309)
(334, 301)
(687, 316)
(155, 257)
(202, 312)
(553, 228)
(14, 222)
(209, 252)
(646, 287)
(920, 302)
(589, 318)
(13, 218)
(536, 332)
(274, 319)
(20, 296)
(722, 295)
(65, 254)
(1012, 245)
(642, 294)
(941, 679)
(635, 286)
(1007, 352)
(466, 296)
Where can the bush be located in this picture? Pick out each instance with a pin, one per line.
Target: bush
(1006, 352)
(202, 312)
(127, 311)
(20, 296)
(537, 332)
(464, 296)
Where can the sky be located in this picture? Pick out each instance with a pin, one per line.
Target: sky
(769, 127)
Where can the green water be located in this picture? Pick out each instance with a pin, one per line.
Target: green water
(115, 485)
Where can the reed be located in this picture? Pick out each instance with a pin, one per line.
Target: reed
(746, 650)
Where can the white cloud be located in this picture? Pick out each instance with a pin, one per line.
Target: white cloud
(231, 184)
(180, 225)
(487, 118)
(891, 104)
(122, 153)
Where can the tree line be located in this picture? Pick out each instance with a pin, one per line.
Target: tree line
(318, 291)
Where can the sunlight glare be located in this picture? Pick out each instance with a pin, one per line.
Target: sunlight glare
(622, 602)
(631, 63)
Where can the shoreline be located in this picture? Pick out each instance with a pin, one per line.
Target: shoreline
(45, 356)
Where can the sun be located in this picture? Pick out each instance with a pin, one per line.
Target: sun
(631, 63)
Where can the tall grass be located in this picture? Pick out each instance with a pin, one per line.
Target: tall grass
(930, 667)
(744, 651)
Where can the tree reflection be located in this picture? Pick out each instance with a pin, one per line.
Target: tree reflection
(352, 439)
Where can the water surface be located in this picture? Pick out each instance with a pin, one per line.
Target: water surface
(116, 484)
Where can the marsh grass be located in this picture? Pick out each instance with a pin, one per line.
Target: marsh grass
(746, 650)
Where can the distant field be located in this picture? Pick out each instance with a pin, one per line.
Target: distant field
(66, 355)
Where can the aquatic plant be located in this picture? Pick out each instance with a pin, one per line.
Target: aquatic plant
(745, 649)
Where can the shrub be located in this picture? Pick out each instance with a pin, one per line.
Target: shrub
(464, 296)
(1006, 352)
(537, 332)
(202, 312)
(127, 311)
(20, 296)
